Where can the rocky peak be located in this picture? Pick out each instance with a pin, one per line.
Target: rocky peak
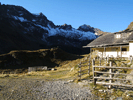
(66, 27)
(130, 26)
(86, 28)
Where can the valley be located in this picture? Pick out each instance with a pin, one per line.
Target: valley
(30, 40)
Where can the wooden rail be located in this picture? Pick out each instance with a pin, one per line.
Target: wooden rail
(110, 73)
(83, 64)
(111, 67)
(117, 84)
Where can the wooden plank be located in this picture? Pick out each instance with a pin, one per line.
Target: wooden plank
(114, 84)
(113, 67)
(111, 73)
(112, 78)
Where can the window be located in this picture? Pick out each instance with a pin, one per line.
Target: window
(124, 49)
(118, 35)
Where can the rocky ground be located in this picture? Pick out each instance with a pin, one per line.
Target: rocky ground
(40, 89)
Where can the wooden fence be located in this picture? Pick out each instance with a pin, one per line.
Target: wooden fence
(110, 73)
(82, 72)
(89, 63)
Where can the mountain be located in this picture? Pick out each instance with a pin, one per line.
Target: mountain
(130, 26)
(20, 30)
(88, 28)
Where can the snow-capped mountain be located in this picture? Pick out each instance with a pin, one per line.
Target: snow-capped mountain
(88, 28)
(21, 29)
(64, 30)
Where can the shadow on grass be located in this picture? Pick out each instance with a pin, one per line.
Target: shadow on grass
(44, 57)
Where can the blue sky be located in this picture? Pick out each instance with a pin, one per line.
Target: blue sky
(107, 15)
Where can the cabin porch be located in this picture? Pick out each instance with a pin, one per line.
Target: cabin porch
(112, 51)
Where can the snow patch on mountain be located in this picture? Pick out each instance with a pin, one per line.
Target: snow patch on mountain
(69, 33)
(45, 28)
(20, 18)
(33, 20)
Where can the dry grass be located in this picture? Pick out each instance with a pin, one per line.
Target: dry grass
(66, 69)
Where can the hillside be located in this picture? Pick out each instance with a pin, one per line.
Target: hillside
(23, 59)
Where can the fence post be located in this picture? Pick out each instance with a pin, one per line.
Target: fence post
(80, 71)
(89, 66)
(93, 69)
(131, 58)
(99, 61)
(93, 62)
(108, 59)
(110, 75)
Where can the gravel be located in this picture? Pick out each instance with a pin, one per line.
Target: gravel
(39, 89)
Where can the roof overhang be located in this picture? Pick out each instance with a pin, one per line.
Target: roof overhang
(130, 40)
(107, 45)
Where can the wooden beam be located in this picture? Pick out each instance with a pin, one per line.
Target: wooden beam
(113, 67)
(93, 69)
(121, 51)
(118, 84)
(101, 46)
(112, 78)
(111, 73)
(105, 51)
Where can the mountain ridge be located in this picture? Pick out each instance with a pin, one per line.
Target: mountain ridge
(20, 30)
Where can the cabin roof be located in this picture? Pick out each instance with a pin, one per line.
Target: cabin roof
(110, 40)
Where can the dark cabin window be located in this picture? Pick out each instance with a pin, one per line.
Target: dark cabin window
(124, 49)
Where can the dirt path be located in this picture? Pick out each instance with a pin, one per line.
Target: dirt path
(40, 89)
